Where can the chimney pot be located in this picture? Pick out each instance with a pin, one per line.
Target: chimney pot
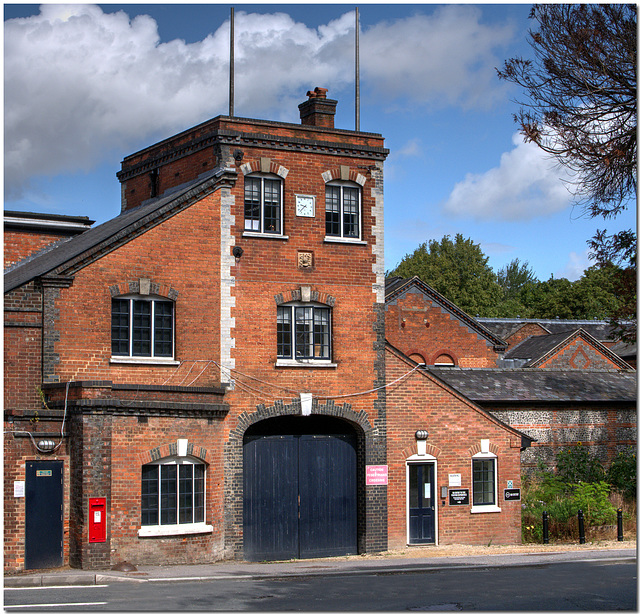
(318, 110)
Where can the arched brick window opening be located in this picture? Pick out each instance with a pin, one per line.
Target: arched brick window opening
(444, 360)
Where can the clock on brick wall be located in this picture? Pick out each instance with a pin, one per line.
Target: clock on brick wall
(305, 205)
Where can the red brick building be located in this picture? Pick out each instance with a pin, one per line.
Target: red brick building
(203, 376)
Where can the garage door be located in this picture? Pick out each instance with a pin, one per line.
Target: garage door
(300, 496)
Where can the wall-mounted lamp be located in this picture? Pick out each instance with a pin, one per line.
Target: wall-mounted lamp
(238, 251)
(421, 441)
(46, 445)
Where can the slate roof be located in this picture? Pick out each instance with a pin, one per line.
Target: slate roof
(536, 347)
(396, 285)
(505, 327)
(540, 385)
(73, 251)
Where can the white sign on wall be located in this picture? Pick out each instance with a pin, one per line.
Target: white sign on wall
(455, 479)
(18, 489)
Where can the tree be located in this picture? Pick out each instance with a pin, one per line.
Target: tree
(457, 269)
(582, 97)
(582, 110)
(514, 276)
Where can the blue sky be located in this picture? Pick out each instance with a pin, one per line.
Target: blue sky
(86, 85)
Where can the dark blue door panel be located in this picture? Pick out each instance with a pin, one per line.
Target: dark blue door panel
(422, 498)
(43, 514)
(328, 496)
(271, 498)
(300, 496)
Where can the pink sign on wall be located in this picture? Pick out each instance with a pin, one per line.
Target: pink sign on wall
(377, 475)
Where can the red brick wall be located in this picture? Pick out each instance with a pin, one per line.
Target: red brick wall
(418, 326)
(22, 347)
(131, 442)
(579, 355)
(181, 254)
(455, 429)
(524, 332)
(19, 244)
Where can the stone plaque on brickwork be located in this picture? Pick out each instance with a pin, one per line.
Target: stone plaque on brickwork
(305, 260)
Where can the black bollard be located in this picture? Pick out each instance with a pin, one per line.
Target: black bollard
(581, 526)
(620, 538)
(545, 527)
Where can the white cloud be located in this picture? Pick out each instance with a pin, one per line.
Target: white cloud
(80, 83)
(411, 149)
(576, 266)
(443, 59)
(526, 185)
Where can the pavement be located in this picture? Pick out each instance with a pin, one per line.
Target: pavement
(416, 559)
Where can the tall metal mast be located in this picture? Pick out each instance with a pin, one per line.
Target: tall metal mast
(231, 64)
(357, 70)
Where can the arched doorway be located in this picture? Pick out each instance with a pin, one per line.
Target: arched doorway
(300, 488)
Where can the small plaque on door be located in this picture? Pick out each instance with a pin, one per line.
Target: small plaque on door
(43, 473)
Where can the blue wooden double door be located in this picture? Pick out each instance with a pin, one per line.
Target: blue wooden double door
(300, 496)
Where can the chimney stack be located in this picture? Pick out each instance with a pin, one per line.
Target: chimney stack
(318, 110)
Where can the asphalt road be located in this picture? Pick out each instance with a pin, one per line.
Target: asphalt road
(597, 585)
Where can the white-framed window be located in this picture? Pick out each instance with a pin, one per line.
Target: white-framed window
(304, 332)
(484, 471)
(173, 497)
(142, 327)
(263, 204)
(343, 210)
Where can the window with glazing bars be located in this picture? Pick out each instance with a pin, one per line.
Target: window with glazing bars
(142, 327)
(304, 332)
(484, 483)
(172, 494)
(342, 211)
(263, 204)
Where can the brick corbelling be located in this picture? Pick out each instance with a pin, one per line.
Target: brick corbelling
(278, 141)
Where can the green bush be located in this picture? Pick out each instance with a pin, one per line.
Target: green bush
(622, 473)
(593, 500)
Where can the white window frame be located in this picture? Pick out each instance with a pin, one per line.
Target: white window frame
(340, 238)
(177, 528)
(151, 358)
(308, 361)
(250, 232)
(486, 508)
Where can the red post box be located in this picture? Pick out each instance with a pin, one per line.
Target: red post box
(97, 519)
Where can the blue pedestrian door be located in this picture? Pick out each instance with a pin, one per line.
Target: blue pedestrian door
(300, 496)
(43, 514)
(422, 498)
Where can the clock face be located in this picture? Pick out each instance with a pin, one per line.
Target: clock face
(305, 205)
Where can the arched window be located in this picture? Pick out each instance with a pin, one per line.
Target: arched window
(343, 217)
(173, 493)
(263, 203)
(444, 360)
(142, 326)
